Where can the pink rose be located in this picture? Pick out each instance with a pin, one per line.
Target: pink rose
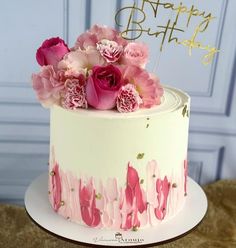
(51, 51)
(75, 96)
(135, 54)
(147, 85)
(47, 86)
(96, 34)
(109, 50)
(103, 86)
(128, 99)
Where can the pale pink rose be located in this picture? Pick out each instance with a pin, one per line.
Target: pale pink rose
(81, 61)
(75, 96)
(103, 86)
(96, 34)
(147, 85)
(135, 54)
(51, 51)
(47, 86)
(128, 99)
(109, 50)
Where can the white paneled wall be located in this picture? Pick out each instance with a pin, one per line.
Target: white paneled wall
(24, 124)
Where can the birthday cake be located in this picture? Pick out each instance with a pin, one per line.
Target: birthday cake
(118, 138)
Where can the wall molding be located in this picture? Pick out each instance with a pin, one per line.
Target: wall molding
(219, 150)
(66, 21)
(211, 84)
(88, 7)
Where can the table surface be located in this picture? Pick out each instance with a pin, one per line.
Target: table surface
(217, 230)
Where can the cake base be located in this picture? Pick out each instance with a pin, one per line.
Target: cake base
(38, 207)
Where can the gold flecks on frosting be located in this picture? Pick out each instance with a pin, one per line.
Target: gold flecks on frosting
(135, 228)
(153, 175)
(185, 194)
(141, 181)
(140, 155)
(98, 196)
(62, 203)
(52, 173)
(174, 185)
(147, 126)
(185, 111)
(49, 192)
(148, 118)
(72, 189)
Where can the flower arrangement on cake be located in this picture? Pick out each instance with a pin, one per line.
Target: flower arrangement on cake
(102, 71)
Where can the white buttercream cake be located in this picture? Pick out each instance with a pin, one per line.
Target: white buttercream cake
(120, 170)
(118, 138)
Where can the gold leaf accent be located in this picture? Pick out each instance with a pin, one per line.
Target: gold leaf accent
(52, 173)
(184, 111)
(49, 192)
(135, 228)
(174, 185)
(148, 118)
(98, 196)
(141, 181)
(62, 203)
(187, 113)
(140, 155)
(147, 126)
(153, 175)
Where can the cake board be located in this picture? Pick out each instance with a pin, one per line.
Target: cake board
(39, 209)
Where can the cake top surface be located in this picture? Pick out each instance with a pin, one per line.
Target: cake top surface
(102, 71)
(172, 100)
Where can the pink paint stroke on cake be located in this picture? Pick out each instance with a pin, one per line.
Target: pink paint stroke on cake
(134, 202)
(162, 188)
(90, 214)
(55, 187)
(106, 205)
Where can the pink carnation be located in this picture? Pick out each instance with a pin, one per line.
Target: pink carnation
(147, 85)
(96, 34)
(75, 96)
(109, 50)
(128, 99)
(135, 54)
(47, 85)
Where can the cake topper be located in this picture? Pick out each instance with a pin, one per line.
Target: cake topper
(136, 25)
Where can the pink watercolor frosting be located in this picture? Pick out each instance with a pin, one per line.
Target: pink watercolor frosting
(107, 205)
(90, 214)
(55, 183)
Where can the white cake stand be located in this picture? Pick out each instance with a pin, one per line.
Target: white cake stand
(40, 210)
